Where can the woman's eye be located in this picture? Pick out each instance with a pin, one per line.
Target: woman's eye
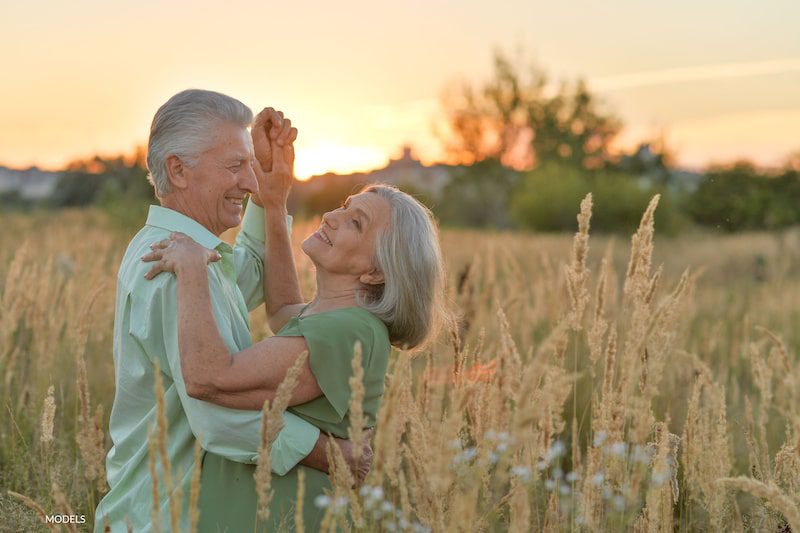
(357, 224)
(236, 167)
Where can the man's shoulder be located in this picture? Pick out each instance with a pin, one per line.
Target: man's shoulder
(132, 269)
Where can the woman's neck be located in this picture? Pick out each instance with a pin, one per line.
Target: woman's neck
(334, 293)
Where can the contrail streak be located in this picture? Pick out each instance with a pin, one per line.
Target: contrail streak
(688, 74)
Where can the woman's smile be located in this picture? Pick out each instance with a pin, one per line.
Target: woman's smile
(321, 235)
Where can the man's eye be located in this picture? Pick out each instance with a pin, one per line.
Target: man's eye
(357, 224)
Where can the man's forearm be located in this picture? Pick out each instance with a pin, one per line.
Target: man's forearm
(318, 458)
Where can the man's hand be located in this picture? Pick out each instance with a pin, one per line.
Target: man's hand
(273, 138)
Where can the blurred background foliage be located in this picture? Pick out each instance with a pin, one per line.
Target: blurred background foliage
(522, 152)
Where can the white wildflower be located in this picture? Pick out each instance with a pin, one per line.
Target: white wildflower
(599, 438)
(322, 501)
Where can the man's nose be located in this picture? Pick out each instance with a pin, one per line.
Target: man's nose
(248, 181)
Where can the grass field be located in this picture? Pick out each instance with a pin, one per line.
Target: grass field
(595, 383)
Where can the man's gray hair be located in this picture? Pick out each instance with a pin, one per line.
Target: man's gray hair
(411, 301)
(184, 126)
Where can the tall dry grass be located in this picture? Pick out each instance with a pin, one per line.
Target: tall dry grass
(590, 385)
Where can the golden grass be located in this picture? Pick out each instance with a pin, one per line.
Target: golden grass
(554, 406)
(271, 425)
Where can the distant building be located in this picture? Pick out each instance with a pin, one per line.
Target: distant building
(29, 184)
(652, 170)
(322, 192)
(408, 170)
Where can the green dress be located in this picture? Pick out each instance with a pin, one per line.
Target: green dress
(227, 488)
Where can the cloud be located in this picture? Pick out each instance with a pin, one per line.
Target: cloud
(697, 73)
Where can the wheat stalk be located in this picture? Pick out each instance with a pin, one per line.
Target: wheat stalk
(772, 496)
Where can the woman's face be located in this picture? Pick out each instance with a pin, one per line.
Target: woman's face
(345, 242)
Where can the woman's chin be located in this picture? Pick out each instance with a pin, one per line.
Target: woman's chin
(307, 246)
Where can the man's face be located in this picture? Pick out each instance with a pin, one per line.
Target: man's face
(223, 176)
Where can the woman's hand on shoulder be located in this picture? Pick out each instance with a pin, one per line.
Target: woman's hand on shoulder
(176, 254)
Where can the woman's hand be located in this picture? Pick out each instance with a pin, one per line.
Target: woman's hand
(178, 253)
(273, 142)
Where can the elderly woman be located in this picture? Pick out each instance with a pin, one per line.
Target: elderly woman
(380, 282)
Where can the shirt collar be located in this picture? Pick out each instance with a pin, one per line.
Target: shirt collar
(168, 219)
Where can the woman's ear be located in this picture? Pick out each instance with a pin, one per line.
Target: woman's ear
(373, 277)
(176, 171)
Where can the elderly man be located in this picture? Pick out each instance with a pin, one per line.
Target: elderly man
(199, 157)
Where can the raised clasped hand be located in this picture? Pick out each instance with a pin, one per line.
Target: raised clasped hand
(273, 143)
(177, 253)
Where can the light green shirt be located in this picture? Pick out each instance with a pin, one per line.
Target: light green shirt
(146, 332)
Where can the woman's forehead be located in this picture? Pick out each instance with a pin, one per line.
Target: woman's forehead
(372, 203)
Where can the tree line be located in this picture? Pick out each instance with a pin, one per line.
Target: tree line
(523, 153)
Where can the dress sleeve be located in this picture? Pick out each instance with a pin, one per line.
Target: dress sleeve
(331, 338)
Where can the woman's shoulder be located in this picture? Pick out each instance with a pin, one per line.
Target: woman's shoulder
(352, 323)
(354, 315)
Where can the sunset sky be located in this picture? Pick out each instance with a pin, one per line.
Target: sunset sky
(720, 79)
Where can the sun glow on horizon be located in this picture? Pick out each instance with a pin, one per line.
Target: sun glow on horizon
(85, 82)
(338, 158)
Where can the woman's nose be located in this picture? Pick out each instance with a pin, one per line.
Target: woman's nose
(329, 219)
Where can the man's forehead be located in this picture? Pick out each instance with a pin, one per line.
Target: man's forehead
(242, 149)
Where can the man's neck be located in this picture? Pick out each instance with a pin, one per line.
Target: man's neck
(178, 203)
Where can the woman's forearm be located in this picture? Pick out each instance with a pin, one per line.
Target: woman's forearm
(281, 285)
(202, 351)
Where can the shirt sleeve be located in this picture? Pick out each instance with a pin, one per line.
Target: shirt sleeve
(248, 254)
(231, 433)
(331, 338)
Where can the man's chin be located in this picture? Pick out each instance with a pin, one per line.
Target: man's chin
(232, 221)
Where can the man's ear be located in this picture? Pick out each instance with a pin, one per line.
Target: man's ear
(176, 171)
(373, 277)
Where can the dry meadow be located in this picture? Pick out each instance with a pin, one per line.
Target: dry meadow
(593, 383)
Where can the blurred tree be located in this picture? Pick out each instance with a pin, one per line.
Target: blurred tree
(793, 161)
(548, 197)
(478, 195)
(514, 120)
(117, 184)
(651, 159)
(742, 197)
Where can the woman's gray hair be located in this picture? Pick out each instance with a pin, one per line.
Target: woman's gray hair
(184, 126)
(411, 301)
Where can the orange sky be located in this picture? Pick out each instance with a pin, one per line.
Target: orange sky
(720, 80)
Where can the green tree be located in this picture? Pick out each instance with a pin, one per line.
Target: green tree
(478, 196)
(547, 199)
(742, 197)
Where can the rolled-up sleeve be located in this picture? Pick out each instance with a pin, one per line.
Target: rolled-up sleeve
(248, 255)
